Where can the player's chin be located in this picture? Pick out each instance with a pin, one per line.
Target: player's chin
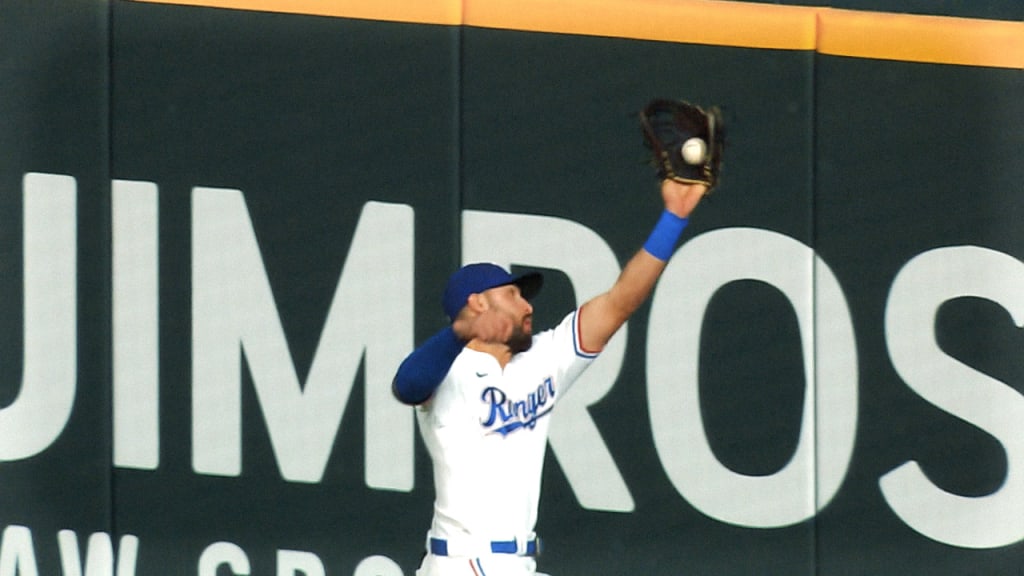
(521, 341)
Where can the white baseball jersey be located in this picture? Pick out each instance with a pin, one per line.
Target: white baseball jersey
(486, 430)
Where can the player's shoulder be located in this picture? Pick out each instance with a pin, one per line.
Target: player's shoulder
(469, 360)
(557, 337)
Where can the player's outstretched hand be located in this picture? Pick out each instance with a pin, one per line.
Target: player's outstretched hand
(680, 198)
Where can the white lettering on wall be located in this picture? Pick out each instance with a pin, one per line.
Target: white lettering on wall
(50, 362)
(919, 289)
(829, 421)
(135, 282)
(369, 323)
(296, 562)
(17, 553)
(233, 311)
(378, 565)
(99, 555)
(223, 554)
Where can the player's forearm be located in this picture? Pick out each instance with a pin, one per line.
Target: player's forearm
(635, 283)
(641, 273)
(425, 368)
(606, 313)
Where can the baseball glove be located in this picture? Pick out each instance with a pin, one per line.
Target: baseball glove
(686, 141)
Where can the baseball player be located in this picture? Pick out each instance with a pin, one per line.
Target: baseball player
(485, 387)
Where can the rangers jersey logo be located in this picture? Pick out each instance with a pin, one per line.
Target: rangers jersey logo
(505, 415)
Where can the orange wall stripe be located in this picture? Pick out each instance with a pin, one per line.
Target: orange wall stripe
(933, 39)
(713, 22)
(875, 35)
(419, 11)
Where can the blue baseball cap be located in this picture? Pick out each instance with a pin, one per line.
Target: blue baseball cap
(482, 276)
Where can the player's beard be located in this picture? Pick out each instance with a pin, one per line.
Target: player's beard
(521, 339)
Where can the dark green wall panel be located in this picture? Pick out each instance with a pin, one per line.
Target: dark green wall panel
(53, 119)
(872, 167)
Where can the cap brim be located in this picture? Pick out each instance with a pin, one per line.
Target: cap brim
(529, 284)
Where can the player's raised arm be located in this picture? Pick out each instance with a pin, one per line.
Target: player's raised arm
(602, 316)
(687, 144)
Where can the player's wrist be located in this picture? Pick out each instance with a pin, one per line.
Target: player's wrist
(666, 233)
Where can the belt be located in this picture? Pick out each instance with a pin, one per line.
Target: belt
(442, 547)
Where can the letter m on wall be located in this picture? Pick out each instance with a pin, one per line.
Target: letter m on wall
(234, 315)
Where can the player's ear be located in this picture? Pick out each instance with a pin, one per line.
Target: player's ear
(477, 303)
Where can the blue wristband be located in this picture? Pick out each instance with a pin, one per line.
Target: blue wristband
(662, 241)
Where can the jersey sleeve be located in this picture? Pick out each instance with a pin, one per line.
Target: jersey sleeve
(423, 370)
(563, 344)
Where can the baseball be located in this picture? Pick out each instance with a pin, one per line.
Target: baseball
(693, 150)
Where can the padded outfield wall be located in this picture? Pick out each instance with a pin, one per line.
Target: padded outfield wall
(222, 226)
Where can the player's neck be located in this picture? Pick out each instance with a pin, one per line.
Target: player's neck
(501, 352)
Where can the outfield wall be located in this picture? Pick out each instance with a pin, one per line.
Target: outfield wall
(223, 225)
